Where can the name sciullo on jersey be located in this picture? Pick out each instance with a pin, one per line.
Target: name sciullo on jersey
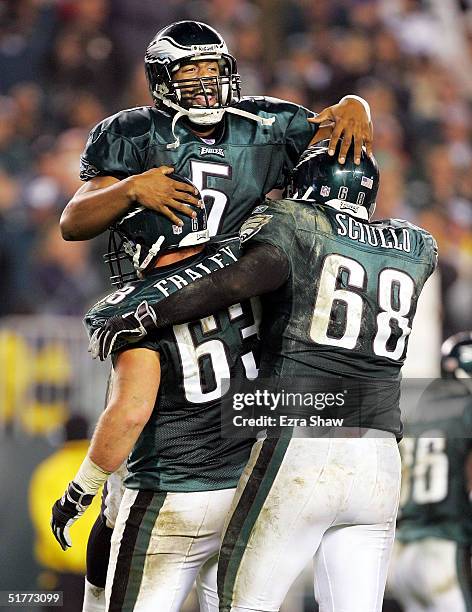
(386, 237)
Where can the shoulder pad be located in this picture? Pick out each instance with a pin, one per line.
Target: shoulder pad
(403, 223)
(129, 123)
(252, 226)
(426, 246)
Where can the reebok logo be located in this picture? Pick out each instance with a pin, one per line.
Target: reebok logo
(207, 48)
(212, 151)
(343, 205)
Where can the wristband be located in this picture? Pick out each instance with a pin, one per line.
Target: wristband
(90, 476)
(364, 103)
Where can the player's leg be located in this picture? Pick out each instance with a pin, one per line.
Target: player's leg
(351, 567)
(98, 554)
(464, 574)
(405, 581)
(99, 542)
(276, 526)
(206, 579)
(432, 575)
(206, 585)
(351, 563)
(160, 543)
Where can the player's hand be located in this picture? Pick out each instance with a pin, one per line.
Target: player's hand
(154, 189)
(351, 121)
(130, 327)
(67, 510)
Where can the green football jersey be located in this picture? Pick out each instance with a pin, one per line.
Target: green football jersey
(434, 500)
(233, 174)
(181, 448)
(349, 302)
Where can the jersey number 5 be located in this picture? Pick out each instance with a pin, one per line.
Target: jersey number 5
(200, 173)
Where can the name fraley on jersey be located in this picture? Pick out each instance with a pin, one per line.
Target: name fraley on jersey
(152, 288)
(223, 258)
(146, 288)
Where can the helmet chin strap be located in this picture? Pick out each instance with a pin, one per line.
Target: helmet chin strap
(207, 117)
(153, 251)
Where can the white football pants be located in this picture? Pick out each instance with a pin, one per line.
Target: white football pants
(331, 499)
(161, 544)
(431, 575)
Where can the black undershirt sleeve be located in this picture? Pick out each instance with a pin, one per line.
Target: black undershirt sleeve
(261, 269)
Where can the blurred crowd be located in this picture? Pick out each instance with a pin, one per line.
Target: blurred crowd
(66, 64)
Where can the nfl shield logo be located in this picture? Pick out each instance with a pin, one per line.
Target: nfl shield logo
(176, 229)
(324, 191)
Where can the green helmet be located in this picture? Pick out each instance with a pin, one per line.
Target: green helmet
(456, 356)
(142, 235)
(350, 188)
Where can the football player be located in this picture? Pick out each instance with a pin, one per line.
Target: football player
(234, 149)
(164, 409)
(431, 567)
(345, 291)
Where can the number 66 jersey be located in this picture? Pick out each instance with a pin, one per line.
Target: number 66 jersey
(181, 448)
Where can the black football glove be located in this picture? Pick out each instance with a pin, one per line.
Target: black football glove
(67, 510)
(129, 327)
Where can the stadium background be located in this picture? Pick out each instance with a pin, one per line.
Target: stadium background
(66, 64)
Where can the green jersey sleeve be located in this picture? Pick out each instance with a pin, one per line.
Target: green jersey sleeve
(289, 136)
(151, 342)
(433, 247)
(107, 154)
(298, 134)
(116, 146)
(422, 245)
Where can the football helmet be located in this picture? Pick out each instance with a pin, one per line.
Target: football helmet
(142, 234)
(347, 187)
(456, 356)
(181, 43)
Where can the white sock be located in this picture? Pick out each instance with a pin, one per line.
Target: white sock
(94, 598)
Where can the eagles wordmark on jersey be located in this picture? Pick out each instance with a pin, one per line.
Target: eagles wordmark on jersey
(340, 303)
(233, 175)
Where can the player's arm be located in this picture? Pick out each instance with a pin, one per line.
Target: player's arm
(135, 385)
(103, 199)
(349, 119)
(262, 268)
